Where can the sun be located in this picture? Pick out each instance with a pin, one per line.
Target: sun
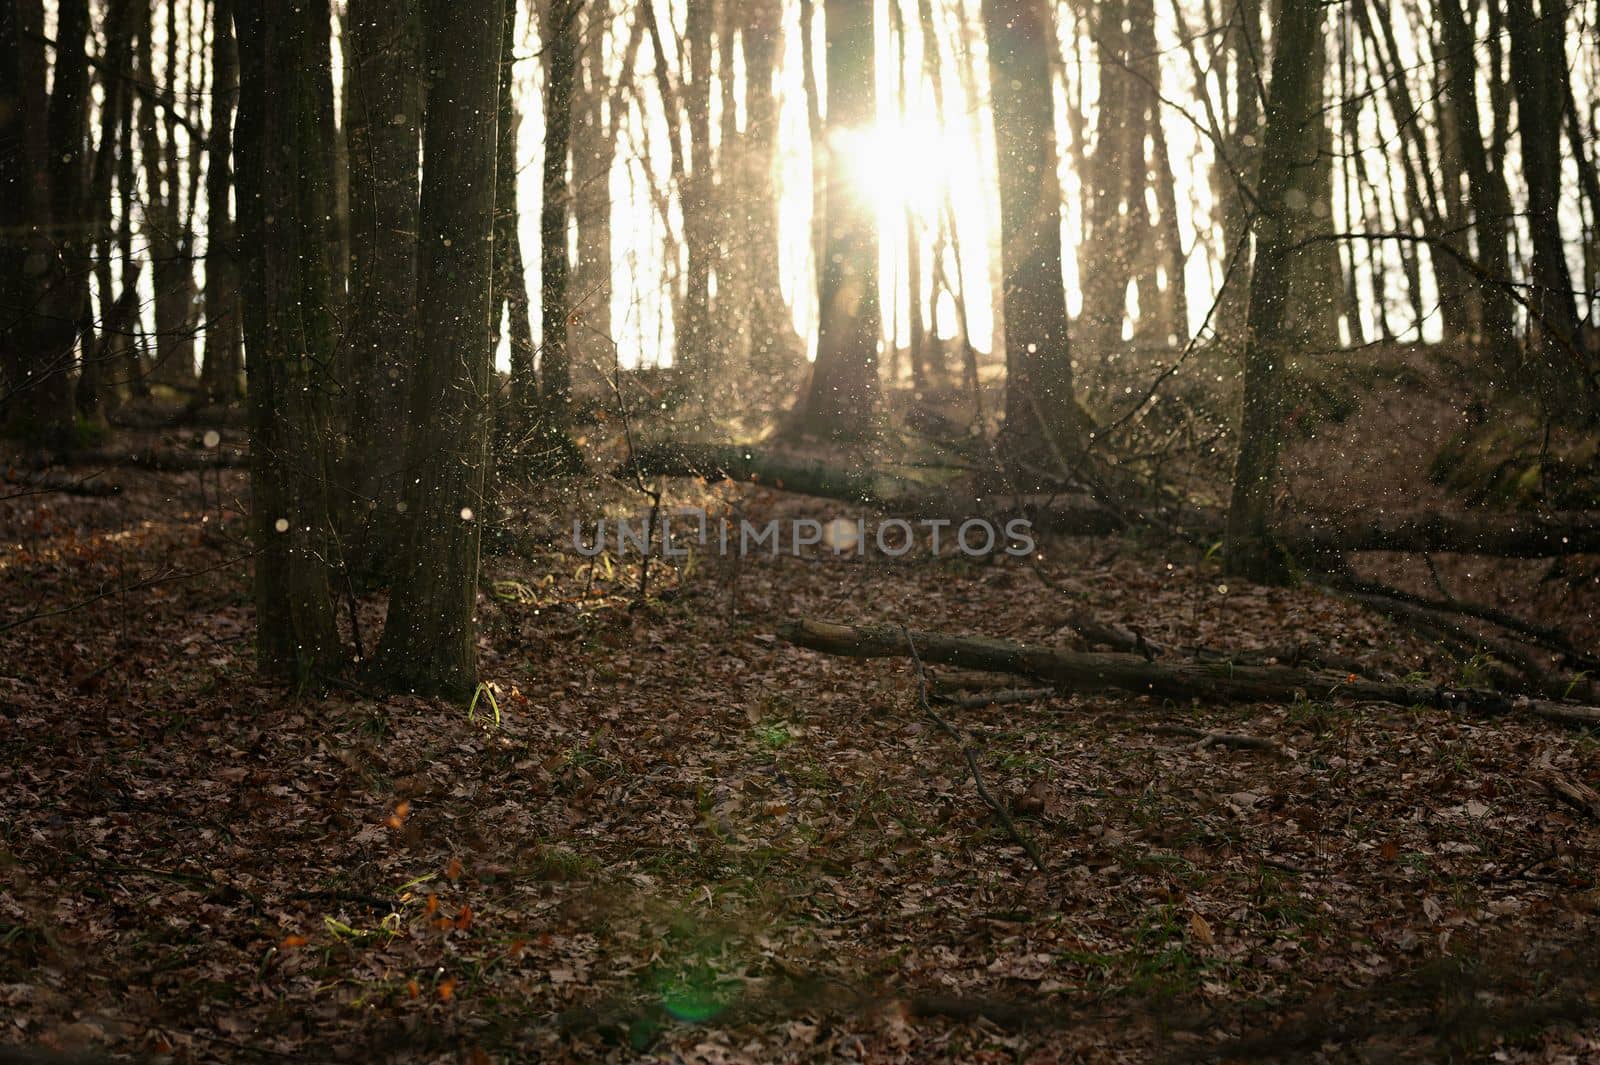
(900, 167)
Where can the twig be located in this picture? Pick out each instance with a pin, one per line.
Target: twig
(967, 753)
(996, 698)
(1218, 739)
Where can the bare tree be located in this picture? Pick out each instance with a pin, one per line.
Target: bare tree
(1293, 114)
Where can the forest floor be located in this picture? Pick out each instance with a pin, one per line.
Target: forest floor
(672, 836)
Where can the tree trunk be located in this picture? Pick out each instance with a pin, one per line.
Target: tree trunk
(50, 271)
(1538, 67)
(510, 299)
(775, 348)
(170, 242)
(223, 360)
(1042, 417)
(1293, 112)
(429, 642)
(597, 121)
(283, 195)
(1489, 215)
(555, 369)
(843, 397)
(382, 118)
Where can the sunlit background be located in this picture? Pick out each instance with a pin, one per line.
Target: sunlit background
(936, 169)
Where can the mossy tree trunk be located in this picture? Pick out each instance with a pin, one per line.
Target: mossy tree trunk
(429, 642)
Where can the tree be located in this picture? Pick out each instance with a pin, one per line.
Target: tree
(44, 173)
(430, 639)
(1040, 407)
(554, 262)
(1293, 111)
(1538, 73)
(223, 360)
(774, 346)
(842, 399)
(283, 193)
(383, 115)
(1497, 323)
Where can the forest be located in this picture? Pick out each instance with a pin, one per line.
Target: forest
(799, 530)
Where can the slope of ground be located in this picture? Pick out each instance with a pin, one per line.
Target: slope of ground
(669, 836)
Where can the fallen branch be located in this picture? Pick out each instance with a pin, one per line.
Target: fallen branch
(996, 698)
(1218, 739)
(1216, 681)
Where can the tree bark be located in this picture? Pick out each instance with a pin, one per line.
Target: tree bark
(224, 361)
(843, 397)
(429, 642)
(1041, 416)
(555, 369)
(1497, 310)
(1538, 70)
(1201, 681)
(775, 347)
(170, 240)
(284, 192)
(382, 119)
(1292, 110)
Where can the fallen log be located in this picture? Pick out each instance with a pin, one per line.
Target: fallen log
(161, 460)
(1502, 535)
(1217, 681)
(1307, 537)
(1072, 514)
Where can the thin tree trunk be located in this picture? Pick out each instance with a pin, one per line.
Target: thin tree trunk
(1489, 216)
(223, 360)
(430, 639)
(554, 368)
(1293, 109)
(775, 348)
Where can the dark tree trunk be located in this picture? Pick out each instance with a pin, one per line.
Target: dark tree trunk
(510, 302)
(93, 391)
(223, 362)
(1041, 415)
(170, 242)
(1293, 112)
(430, 639)
(283, 194)
(555, 369)
(382, 118)
(1489, 215)
(843, 396)
(1538, 70)
(51, 270)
